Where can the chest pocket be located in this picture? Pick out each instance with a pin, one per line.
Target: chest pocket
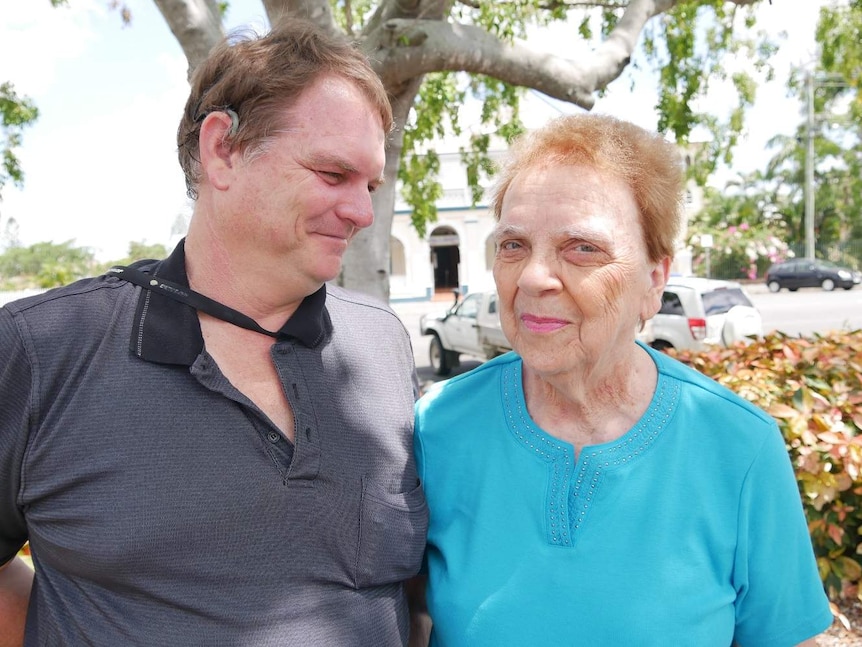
(392, 531)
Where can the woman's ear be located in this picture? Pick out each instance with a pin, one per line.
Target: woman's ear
(658, 279)
(660, 274)
(217, 163)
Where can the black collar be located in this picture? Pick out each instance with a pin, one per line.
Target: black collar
(169, 332)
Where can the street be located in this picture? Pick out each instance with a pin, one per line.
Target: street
(808, 310)
(804, 312)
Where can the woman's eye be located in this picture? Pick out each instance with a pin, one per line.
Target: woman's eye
(585, 248)
(509, 245)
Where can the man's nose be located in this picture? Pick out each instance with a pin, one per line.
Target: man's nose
(357, 209)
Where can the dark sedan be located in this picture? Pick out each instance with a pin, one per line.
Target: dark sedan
(808, 273)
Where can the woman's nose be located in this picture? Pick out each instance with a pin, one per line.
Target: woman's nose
(538, 275)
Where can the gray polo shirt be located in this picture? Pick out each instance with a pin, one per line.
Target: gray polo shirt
(164, 508)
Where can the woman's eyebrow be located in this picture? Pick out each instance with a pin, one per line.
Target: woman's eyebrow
(508, 230)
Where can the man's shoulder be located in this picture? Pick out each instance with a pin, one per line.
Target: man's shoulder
(63, 295)
(76, 308)
(349, 300)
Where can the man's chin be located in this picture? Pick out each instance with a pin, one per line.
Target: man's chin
(331, 272)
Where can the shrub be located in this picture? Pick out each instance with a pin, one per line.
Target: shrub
(738, 252)
(813, 388)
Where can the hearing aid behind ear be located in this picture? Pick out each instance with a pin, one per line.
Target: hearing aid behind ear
(234, 121)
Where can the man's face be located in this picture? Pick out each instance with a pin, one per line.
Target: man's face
(297, 205)
(571, 268)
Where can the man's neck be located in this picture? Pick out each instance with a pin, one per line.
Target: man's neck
(214, 271)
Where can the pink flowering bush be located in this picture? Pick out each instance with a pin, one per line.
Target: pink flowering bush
(738, 252)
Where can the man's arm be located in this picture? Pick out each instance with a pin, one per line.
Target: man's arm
(420, 621)
(16, 580)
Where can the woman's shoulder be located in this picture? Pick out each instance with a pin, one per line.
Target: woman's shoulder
(466, 387)
(707, 392)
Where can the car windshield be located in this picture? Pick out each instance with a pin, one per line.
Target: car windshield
(719, 301)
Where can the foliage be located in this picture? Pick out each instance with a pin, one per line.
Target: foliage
(746, 251)
(690, 48)
(838, 106)
(775, 197)
(44, 265)
(48, 265)
(813, 388)
(139, 251)
(16, 113)
(436, 109)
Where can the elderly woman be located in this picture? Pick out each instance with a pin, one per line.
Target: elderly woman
(586, 489)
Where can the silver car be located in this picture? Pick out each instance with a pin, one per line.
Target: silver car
(697, 313)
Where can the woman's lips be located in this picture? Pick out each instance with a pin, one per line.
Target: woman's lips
(535, 323)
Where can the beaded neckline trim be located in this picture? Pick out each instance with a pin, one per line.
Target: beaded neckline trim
(569, 497)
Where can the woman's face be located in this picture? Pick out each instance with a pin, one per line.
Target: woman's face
(571, 269)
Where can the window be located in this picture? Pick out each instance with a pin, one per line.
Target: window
(397, 260)
(671, 305)
(469, 307)
(720, 301)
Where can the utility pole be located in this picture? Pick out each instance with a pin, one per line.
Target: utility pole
(812, 82)
(809, 169)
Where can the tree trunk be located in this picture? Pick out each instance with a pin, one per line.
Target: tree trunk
(366, 264)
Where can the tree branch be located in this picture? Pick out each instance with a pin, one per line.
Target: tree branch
(434, 45)
(196, 24)
(615, 52)
(317, 11)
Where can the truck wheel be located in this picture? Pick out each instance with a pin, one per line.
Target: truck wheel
(438, 357)
(661, 345)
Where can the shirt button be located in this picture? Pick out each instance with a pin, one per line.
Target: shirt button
(273, 437)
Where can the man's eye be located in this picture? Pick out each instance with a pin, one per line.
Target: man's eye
(333, 176)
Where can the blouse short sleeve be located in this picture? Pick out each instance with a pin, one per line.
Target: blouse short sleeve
(780, 597)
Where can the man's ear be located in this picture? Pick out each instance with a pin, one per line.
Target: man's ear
(217, 163)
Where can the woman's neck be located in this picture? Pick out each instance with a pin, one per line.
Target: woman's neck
(592, 408)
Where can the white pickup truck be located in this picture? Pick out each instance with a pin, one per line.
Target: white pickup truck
(471, 326)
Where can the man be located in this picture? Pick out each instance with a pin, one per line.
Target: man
(216, 448)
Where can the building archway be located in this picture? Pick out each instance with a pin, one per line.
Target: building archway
(490, 252)
(397, 258)
(445, 257)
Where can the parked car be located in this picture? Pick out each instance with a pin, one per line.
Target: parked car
(471, 326)
(810, 273)
(698, 312)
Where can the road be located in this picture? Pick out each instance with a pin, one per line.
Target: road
(808, 310)
(803, 312)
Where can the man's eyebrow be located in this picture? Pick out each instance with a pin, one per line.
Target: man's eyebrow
(331, 160)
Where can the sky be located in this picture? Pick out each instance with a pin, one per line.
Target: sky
(100, 163)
